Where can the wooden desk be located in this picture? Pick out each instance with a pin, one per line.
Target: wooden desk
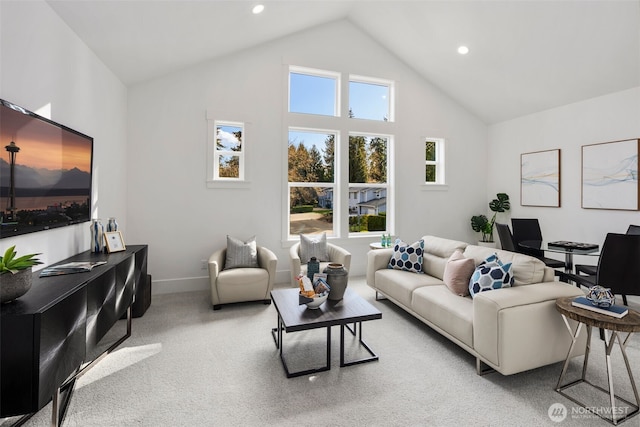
(612, 326)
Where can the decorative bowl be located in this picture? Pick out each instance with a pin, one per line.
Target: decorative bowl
(318, 300)
(601, 296)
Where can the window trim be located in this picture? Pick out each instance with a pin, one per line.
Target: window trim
(379, 82)
(341, 125)
(212, 180)
(294, 69)
(439, 163)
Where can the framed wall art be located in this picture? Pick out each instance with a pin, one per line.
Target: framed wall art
(610, 175)
(540, 178)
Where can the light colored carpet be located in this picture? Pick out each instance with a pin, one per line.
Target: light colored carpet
(186, 365)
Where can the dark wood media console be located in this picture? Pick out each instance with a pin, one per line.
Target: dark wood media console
(50, 334)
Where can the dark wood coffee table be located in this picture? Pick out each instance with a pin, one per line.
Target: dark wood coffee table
(613, 326)
(293, 317)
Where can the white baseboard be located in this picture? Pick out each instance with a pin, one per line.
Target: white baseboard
(192, 284)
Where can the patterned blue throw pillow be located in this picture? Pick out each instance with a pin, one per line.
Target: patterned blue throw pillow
(407, 257)
(490, 274)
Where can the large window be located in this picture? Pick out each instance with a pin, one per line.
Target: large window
(320, 199)
(368, 186)
(311, 177)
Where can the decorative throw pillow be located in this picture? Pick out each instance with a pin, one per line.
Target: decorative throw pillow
(241, 254)
(313, 246)
(490, 274)
(407, 257)
(457, 273)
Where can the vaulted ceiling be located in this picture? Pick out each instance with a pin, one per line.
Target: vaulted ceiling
(525, 56)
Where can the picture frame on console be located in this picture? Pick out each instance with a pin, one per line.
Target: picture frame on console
(114, 241)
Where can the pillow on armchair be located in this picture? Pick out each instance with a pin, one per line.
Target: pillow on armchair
(241, 254)
(313, 246)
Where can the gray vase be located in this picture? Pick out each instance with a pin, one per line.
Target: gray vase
(337, 277)
(13, 286)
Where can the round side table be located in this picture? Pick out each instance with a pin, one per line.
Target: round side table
(613, 327)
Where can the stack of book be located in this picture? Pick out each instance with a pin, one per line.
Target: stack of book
(613, 310)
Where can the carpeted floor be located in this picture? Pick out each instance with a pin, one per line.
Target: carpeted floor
(186, 365)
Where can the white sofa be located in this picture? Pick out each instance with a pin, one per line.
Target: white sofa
(511, 330)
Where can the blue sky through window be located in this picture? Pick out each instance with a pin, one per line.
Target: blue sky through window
(369, 101)
(312, 94)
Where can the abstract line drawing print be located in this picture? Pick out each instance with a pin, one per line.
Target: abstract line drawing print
(610, 175)
(540, 178)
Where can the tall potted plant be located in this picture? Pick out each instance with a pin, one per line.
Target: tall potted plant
(482, 224)
(15, 274)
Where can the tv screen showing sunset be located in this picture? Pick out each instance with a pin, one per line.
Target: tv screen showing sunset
(45, 173)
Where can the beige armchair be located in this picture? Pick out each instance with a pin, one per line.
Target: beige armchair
(336, 254)
(242, 284)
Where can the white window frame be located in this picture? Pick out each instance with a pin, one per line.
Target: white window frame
(387, 185)
(439, 164)
(340, 124)
(315, 73)
(214, 180)
(333, 185)
(390, 84)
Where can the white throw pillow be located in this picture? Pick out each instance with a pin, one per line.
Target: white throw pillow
(313, 245)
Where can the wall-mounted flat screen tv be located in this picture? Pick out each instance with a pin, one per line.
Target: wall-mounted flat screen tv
(45, 173)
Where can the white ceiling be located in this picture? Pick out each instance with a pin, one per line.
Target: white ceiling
(525, 56)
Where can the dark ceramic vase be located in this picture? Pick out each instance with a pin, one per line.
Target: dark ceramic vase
(337, 277)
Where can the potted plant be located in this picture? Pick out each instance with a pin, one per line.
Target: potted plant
(482, 224)
(15, 274)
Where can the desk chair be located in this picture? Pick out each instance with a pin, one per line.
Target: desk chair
(618, 267)
(591, 270)
(529, 229)
(506, 238)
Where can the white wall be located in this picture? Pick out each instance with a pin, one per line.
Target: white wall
(608, 118)
(46, 68)
(170, 207)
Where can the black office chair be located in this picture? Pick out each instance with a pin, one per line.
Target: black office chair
(529, 229)
(633, 229)
(591, 270)
(618, 266)
(506, 238)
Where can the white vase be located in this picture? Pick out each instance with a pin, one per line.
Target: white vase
(97, 236)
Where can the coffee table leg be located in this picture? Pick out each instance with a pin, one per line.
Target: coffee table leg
(305, 371)
(357, 326)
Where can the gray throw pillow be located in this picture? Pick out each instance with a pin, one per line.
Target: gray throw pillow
(241, 254)
(313, 246)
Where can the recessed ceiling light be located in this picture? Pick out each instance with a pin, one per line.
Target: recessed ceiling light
(463, 50)
(257, 9)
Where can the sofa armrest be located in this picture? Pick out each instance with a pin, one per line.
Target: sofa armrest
(519, 328)
(377, 259)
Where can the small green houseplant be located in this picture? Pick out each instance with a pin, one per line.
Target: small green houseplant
(15, 274)
(482, 224)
